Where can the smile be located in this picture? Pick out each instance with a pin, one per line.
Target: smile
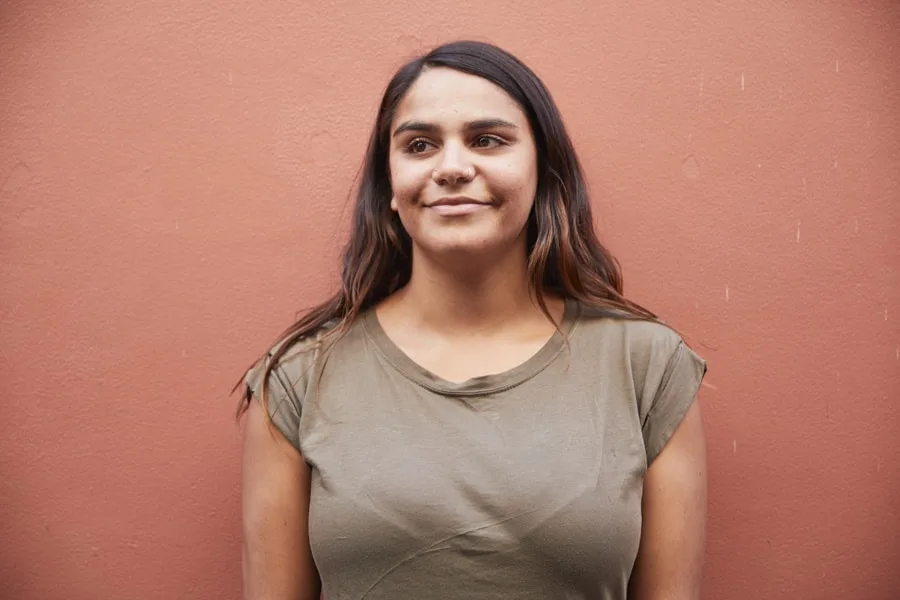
(457, 206)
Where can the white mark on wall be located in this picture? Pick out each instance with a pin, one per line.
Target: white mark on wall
(898, 353)
(837, 66)
(759, 165)
(855, 225)
(798, 232)
(177, 225)
(690, 168)
(805, 194)
(835, 162)
(742, 81)
(837, 374)
(885, 313)
(734, 446)
(727, 293)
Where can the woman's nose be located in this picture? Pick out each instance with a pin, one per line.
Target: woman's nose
(453, 168)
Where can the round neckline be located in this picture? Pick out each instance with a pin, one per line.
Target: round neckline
(483, 384)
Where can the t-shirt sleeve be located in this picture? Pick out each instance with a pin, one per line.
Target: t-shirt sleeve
(671, 388)
(282, 398)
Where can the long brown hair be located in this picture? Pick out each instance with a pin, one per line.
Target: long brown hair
(564, 254)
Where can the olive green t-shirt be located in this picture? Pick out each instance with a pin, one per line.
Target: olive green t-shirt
(522, 485)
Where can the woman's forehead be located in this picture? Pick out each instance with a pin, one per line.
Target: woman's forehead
(446, 96)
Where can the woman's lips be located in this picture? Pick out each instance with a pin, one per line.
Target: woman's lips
(457, 205)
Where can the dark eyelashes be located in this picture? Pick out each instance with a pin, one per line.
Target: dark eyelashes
(493, 139)
(410, 147)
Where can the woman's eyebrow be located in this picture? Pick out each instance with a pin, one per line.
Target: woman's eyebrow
(490, 124)
(417, 126)
(423, 127)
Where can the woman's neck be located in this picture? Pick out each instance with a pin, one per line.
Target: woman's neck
(466, 299)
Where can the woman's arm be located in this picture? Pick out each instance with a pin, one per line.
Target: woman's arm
(277, 561)
(670, 560)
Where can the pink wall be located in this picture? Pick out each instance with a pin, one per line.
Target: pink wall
(173, 187)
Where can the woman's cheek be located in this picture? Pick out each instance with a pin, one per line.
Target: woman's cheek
(401, 191)
(407, 186)
(513, 189)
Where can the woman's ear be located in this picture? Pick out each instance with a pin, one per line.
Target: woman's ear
(393, 204)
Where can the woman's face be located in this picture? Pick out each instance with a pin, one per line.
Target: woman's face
(463, 166)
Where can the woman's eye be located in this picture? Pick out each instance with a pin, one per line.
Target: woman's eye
(418, 146)
(487, 141)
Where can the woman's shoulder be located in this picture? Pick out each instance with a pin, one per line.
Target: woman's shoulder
(663, 369)
(293, 348)
(636, 345)
(293, 355)
(638, 334)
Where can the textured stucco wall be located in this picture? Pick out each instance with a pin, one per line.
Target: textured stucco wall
(173, 187)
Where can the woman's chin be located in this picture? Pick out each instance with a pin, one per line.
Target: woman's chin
(468, 250)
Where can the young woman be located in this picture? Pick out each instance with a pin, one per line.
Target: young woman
(478, 412)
